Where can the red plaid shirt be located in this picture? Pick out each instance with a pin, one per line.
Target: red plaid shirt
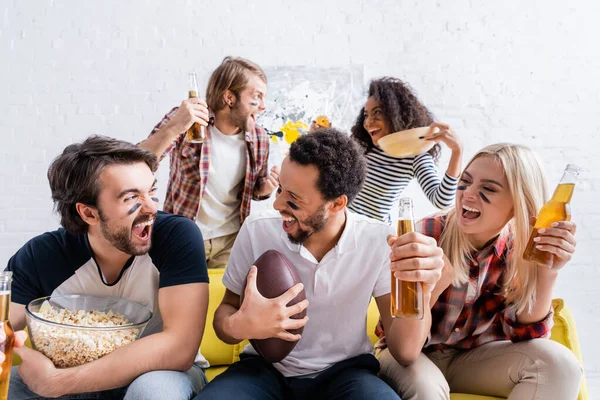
(189, 170)
(475, 313)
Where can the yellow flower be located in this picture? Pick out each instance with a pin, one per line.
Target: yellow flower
(323, 121)
(293, 130)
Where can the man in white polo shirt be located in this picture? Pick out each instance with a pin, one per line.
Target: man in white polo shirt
(343, 260)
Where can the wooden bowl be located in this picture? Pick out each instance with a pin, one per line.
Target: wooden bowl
(407, 143)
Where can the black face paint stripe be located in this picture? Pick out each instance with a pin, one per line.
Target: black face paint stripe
(483, 197)
(155, 199)
(461, 188)
(134, 209)
(292, 205)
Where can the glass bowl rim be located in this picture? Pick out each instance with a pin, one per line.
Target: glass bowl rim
(36, 318)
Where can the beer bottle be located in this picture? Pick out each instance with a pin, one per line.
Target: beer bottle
(557, 209)
(8, 338)
(407, 297)
(196, 132)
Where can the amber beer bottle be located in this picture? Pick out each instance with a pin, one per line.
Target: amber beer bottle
(407, 297)
(557, 209)
(196, 132)
(8, 338)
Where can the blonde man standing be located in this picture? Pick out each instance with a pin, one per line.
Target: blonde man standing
(213, 182)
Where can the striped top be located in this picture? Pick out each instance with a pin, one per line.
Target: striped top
(387, 177)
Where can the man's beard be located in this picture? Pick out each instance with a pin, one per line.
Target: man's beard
(239, 117)
(120, 238)
(315, 223)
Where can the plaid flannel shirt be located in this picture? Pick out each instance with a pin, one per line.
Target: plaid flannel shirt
(475, 313)
(189, 170)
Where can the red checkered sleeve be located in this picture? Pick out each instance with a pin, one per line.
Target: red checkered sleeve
(379, 332)
(262, 149)
(517, 332)
(162, 123)
(430, 226)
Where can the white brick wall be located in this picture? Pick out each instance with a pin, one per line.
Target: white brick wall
(497, 71)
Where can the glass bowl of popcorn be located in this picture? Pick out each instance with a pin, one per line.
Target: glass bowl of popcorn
(75, 329)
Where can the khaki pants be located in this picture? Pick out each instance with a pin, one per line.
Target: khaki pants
(538, 369)
(218, 250)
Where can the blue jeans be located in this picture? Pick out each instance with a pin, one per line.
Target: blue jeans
(254, 378)
(157, 385)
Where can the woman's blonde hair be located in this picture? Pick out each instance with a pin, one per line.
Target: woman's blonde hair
(527, 184)
(233, 74)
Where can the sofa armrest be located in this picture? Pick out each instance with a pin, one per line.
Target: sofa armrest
(564, 332)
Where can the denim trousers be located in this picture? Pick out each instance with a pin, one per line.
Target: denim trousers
(254, 378)
(153, 385)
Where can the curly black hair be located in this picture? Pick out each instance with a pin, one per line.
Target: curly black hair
(401, 109)
(339, 159)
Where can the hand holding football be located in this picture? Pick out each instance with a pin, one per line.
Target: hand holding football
(272, 293)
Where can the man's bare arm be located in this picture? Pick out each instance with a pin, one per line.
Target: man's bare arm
(183, 309)
(162, 137)
(404, 337)
(258, 317)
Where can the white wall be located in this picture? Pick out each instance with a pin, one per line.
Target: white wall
(521, 71)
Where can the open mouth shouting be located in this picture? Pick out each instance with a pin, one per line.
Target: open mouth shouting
(288, 223)
(142, 230)
(470, 213)
(375, 133)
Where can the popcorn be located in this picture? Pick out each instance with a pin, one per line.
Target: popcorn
(68, 347)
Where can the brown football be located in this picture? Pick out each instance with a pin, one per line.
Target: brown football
(275, 275)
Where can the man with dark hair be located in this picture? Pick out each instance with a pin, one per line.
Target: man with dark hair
(214, 182)
(114, 242)
(343, 260)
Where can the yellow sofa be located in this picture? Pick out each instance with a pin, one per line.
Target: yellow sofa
(220, 355)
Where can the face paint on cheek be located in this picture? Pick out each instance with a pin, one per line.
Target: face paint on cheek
(134, 209)
(154, 199)
(461, 188)
(254, 104)
(483, 197)
(292, 205)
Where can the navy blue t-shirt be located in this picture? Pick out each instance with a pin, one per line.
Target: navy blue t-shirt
(60, 262)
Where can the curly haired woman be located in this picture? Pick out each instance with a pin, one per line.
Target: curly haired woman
(393, 107)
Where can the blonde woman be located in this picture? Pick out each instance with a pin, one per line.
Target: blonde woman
(491, 310)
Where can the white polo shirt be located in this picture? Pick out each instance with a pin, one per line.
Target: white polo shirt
(339, 288)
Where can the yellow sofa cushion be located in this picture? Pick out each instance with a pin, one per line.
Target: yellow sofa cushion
(216, 351)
